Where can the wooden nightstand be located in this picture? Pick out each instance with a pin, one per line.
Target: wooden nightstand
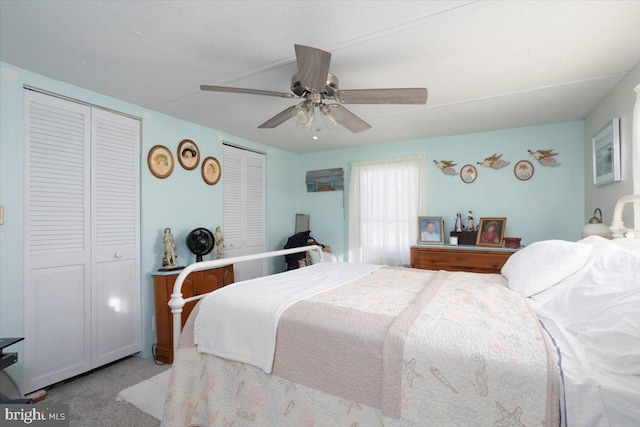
(198, 282)
(474, 259)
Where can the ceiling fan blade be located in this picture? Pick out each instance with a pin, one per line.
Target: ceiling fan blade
(382, 96)
(247, 91)
(347, 119)
(278, 119)
(313, 67)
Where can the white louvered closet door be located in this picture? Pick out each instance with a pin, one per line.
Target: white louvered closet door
(244, 209)
(57, 231)
(115, 243)
(82, 291)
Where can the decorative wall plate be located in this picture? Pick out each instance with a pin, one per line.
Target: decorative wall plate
(523, 170)
(188, 154)
(211, 171)
(468, 174)
(160, 161)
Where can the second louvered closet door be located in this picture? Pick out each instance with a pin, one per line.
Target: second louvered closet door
(243, 174)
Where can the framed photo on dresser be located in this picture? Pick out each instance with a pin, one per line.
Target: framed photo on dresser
(430, 230)
(491, 232)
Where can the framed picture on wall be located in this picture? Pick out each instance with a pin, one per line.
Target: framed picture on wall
(523, 170)
(211, 171)
(491, 232)
(468, 174)
(606, 153)
(430, 230)
(188, 154)
(160, 161)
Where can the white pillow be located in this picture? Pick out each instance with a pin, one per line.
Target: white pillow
(544, 264)
(630, 244)
(601, 311)
(599, 245)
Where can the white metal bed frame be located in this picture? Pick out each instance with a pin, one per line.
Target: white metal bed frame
(177, 302)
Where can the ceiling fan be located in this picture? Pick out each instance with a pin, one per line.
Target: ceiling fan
(315, 85)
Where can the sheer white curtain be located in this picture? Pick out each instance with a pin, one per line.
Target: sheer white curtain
(385, 199)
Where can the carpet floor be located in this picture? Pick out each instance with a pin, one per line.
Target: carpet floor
(92, 396)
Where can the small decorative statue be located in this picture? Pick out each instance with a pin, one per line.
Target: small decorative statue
(219, 239)
(457, 226)
(470, 225)
(170, 256)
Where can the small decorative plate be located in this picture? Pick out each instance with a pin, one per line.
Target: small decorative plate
(523, 170)
(188, 154)
(211, 171)
(468, 174)
(160, 161)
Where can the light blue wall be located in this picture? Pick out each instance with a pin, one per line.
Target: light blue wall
(182, 201)
(548, 206)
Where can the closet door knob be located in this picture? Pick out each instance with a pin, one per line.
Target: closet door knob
(118, 255)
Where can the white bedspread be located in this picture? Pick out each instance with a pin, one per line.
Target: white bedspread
(239, 322)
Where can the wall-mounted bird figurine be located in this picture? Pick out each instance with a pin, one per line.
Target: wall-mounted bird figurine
(446, 166)
(545, 157)
(494, 162)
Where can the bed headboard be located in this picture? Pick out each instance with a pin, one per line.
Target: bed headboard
(617, 225)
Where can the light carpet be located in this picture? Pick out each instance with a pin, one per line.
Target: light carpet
(149, 395)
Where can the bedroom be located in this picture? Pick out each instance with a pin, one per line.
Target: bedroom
(551, 211)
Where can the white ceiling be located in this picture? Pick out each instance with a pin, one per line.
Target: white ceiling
(487, 65)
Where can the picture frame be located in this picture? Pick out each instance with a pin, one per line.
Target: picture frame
(523, 170)
(188, 154)
(325, 180)
(160, 161)
(606, 153)
(468, 173)
(211, 171)
(491, 232)
(430, 230)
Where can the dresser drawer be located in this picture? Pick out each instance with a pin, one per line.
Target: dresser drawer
(455, 259)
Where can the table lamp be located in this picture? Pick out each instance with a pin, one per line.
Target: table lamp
(595, 227)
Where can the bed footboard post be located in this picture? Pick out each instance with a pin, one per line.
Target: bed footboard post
(176, 303)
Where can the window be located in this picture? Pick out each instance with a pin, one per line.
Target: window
(385, 199)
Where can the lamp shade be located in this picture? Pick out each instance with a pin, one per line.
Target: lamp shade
(595, 227)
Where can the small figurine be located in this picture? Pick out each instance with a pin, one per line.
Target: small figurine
(457, 226)
(219, 239)
(470, 226)
(169, 249)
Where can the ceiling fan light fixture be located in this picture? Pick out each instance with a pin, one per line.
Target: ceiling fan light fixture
(303, 113)
(328, 116)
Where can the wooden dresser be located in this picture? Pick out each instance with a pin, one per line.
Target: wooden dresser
(198, 282)
(474, 259)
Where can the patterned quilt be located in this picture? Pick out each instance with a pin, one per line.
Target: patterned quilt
(439, 349)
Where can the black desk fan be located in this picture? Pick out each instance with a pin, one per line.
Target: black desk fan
(200, 241)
